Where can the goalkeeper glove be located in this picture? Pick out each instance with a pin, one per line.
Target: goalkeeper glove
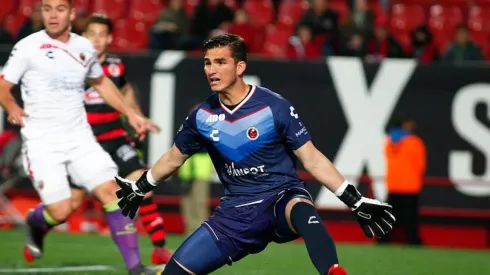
(373, 216)
(132, 192)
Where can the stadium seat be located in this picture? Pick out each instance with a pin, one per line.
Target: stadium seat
(7, 7)
(341, 8)
(145, 10)
(261, 12)
(276, 41)
(26, 6)
(13, 22)
(291, 11)
(189, 5)
(130, 35)
(444, 19)
(404, 18)
(479, 19)
(83, 4)
(114, 9)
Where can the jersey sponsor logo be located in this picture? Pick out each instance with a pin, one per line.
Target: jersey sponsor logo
(92, 97)
(48, 46)
(301, 132)
(126, 153)
(214, 135)
(215, 118)
(252, 133)
(50, 54)
(239, 172)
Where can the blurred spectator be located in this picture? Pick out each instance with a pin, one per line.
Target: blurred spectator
(81, 18)
(463, 48)
(362, 16)
(32, 24)
(383, 44)
(423, 47)
(354, 45)
(323, 23)
(302, 45)
(243, 27)
(5, 36)
(406, 163)
(170, 27)
(210, 15)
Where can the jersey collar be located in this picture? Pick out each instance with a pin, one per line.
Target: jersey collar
(245, 100)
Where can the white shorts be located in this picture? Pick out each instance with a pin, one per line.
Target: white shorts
(87, 164)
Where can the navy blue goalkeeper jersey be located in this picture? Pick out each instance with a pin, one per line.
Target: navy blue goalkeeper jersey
(251, 145)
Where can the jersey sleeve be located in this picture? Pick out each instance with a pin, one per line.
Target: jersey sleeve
(187, 139)
(95, 69)
(17, 64)
(290, 126)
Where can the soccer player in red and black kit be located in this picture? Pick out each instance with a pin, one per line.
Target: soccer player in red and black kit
(110, 132)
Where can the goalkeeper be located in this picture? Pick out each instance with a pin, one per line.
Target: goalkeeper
(254, 138)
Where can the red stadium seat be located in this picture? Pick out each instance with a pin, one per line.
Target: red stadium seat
(444, 19)
(145, 10)
(83, 5)
(13, 22)
(341, 8)
(479, 19)
(26, 6)
(7, 7)
(261, 12)
(276, 41)
(291, 11)
(404, 18)
(130, 35)
(114, 9)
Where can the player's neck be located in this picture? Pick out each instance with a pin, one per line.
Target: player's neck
(234, 94)
(102, 58)
(63, 37)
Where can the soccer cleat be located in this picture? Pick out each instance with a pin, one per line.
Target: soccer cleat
(336, 270)
(145, 270)
(161, 255)
(33, 247)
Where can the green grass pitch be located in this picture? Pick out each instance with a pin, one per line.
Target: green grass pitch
(65, 250)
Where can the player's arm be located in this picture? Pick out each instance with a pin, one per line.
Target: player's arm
(187, 142)
(373, 216)
(130, 97)
(16, 66)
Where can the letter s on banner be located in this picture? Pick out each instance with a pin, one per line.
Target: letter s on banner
(475, 133)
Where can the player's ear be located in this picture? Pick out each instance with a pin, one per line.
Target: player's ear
(240, 67)
(72, 14)
(109, 39)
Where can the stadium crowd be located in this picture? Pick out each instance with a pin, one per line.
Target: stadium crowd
(430, 30)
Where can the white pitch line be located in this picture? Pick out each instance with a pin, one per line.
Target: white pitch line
(57, 269)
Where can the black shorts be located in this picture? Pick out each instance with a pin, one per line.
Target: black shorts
(124, 155)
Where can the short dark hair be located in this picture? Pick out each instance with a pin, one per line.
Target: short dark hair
(236, 43)
(99, 18)
(402, 119)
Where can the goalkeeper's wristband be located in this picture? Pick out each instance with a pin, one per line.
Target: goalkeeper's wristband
(348, 194)
(146, 182)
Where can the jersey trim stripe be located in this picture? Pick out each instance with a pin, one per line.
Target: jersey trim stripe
(111, 134)
(99, 118)
(239, 105)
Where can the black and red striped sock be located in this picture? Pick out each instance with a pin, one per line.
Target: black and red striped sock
(153, 222)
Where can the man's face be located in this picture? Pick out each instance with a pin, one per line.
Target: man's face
(221, 69)
(57, 15)
(100, 37)
(462, 36)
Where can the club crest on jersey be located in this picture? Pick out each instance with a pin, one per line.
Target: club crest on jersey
(114, 70)
(82, 57)
(252, 133)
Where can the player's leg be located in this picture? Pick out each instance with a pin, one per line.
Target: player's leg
(48, 175)
(131, 166)
(77, 196)
(201, 243)
(303, 219)
(92, 168)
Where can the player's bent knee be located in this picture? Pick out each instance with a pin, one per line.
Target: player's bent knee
(289, 208)
(176, 268)
(106, 192)
(60, 211)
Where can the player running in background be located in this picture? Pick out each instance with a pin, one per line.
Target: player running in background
(254, 137)
(110, 132)
(53, 65)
